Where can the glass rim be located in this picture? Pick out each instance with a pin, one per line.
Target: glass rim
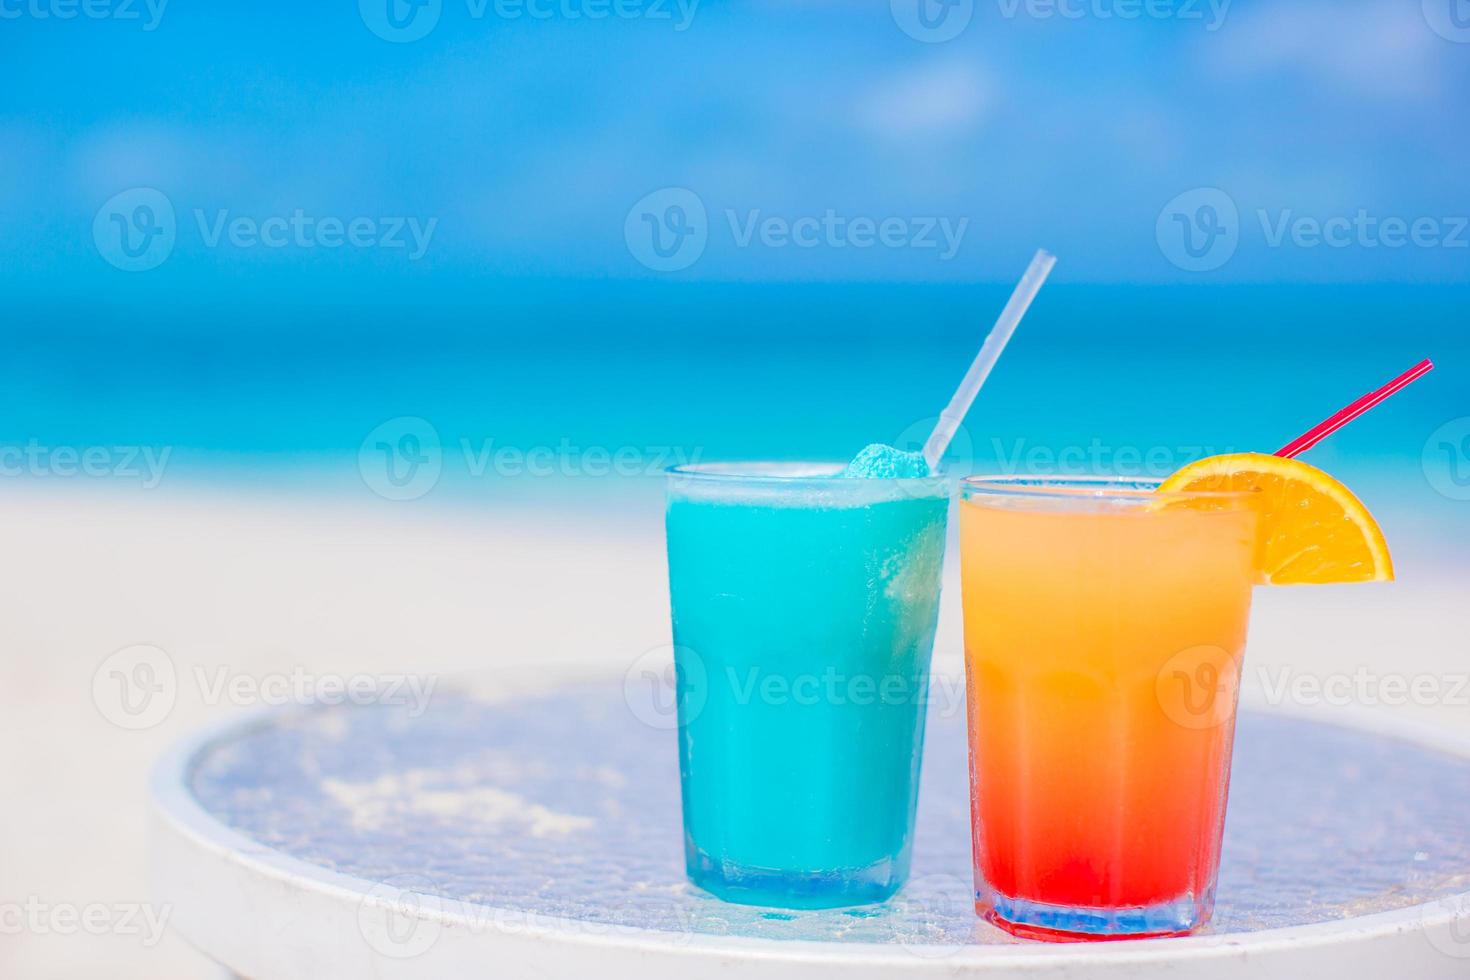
(1060, 488)
(789, 473)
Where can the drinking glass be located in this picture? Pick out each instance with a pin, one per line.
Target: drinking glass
(1104, 628)
(804, 606)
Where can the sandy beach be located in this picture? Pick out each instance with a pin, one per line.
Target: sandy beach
(253, 597)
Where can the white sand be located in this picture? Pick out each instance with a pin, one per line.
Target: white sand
(269, 586)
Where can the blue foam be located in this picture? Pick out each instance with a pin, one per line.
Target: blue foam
(880, 462)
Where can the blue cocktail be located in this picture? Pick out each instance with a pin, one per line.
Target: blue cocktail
(804, 608)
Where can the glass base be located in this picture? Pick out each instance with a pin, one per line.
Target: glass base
(745, 885)
(1060, 923)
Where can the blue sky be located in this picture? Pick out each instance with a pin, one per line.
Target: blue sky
(525, 141)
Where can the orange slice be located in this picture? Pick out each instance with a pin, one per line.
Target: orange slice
(1312, 529)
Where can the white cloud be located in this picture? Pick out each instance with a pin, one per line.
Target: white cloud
(944, 99)
(135, 152)
(1373, 48)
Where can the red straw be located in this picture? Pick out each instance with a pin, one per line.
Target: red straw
(1342, 417)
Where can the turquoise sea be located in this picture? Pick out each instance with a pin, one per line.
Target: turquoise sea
(557, 394)
(527, 396)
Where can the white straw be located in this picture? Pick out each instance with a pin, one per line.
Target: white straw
(1000, 335)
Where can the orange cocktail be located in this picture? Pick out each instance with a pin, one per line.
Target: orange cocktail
(1104, 629)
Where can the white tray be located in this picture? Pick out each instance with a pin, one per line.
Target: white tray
(540, 836)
